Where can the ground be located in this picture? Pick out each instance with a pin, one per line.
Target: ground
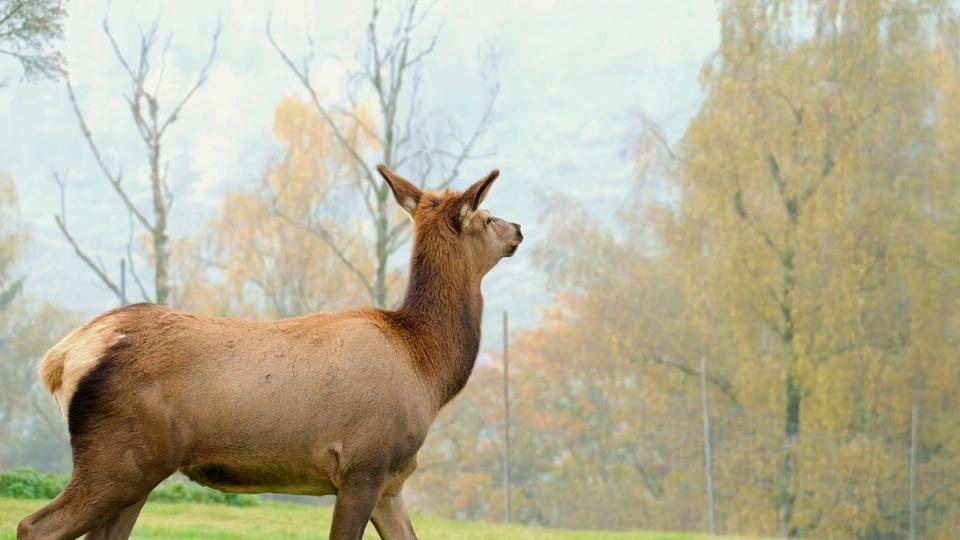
(287, 520)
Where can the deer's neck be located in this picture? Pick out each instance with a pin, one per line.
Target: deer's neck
(443, 308)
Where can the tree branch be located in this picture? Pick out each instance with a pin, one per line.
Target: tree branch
(337, 133)
(133, 270)
(481, 128)
(114, 180)
(653, 128)
(202, 78)
(62, 225)
(328, 239)
(742, 212)
(722, 384)
(56, 428)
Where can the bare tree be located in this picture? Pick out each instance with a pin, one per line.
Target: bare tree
(27, 30)
(392, 73)
(152, 125)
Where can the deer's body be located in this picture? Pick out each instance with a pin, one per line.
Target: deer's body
(326, 403)
(297, 374)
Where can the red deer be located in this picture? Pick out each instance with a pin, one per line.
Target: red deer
(325, 403)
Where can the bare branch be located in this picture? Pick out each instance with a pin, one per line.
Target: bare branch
(419, 56)
(163, 62)
(654, 129)
(775, 173)
(202, 78)
(722, 384)
(368, 196)
(410, 131)
(114, 180)
(395, 238)
(391, 62)
(742, 212)
(337, 133)
(167, 193)
(375, 76)
(328, 239)
(480, 129)
(423, 152)
(358, 122)
(9, 15)
(797, 111)
(897, 343)
(56, 428)
(116, 50)
(62, 225)
(133, 270)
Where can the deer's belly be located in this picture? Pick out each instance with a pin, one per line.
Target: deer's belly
(239, 479)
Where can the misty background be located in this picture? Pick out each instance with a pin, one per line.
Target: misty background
(737, 307)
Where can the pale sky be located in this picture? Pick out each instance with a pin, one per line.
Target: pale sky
(574, 77)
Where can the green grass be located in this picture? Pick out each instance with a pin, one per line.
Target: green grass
(287, 520)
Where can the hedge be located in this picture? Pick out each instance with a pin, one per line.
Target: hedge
(27, 483)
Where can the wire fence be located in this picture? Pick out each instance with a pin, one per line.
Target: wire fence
(685, 465)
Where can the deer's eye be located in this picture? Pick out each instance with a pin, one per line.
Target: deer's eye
(487, 222)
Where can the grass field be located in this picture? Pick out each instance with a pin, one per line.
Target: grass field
(286, 520)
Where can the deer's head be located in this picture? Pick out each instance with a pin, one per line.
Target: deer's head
(456, 222)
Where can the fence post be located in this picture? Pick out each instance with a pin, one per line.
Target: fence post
(506, 423)
(914, 420)
(708, 461)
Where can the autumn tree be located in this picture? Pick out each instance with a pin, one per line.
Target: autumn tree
(800, 240)
(31, 432)
(604, 399)
(460, 467)
(29, 30)
(806, 183)
(152, 125)
(11, 244)
(260, 255)
(390, 77)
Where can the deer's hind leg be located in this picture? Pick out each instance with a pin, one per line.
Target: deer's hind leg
(391, 519)
(122, 448)
(390, 515)
(119, 526)
(105, 502)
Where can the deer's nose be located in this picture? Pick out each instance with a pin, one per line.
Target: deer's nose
(519, 234)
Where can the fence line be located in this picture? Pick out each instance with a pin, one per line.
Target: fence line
(712, 468)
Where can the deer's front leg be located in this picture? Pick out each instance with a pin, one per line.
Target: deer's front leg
(356, 498)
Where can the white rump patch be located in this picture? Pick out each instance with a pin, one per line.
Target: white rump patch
(82, 350)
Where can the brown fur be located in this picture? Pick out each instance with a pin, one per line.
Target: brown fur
(326, 403)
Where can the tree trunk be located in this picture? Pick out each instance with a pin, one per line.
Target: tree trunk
(159, 232)
(382, 228)
(788, 489)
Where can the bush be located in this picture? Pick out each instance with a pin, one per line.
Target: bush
(195, 493)
(29, 484)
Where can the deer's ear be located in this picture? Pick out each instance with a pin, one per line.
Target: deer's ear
(472, 198)
(406, 194)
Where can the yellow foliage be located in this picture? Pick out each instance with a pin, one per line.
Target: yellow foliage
(279, 248)
(811, 257)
